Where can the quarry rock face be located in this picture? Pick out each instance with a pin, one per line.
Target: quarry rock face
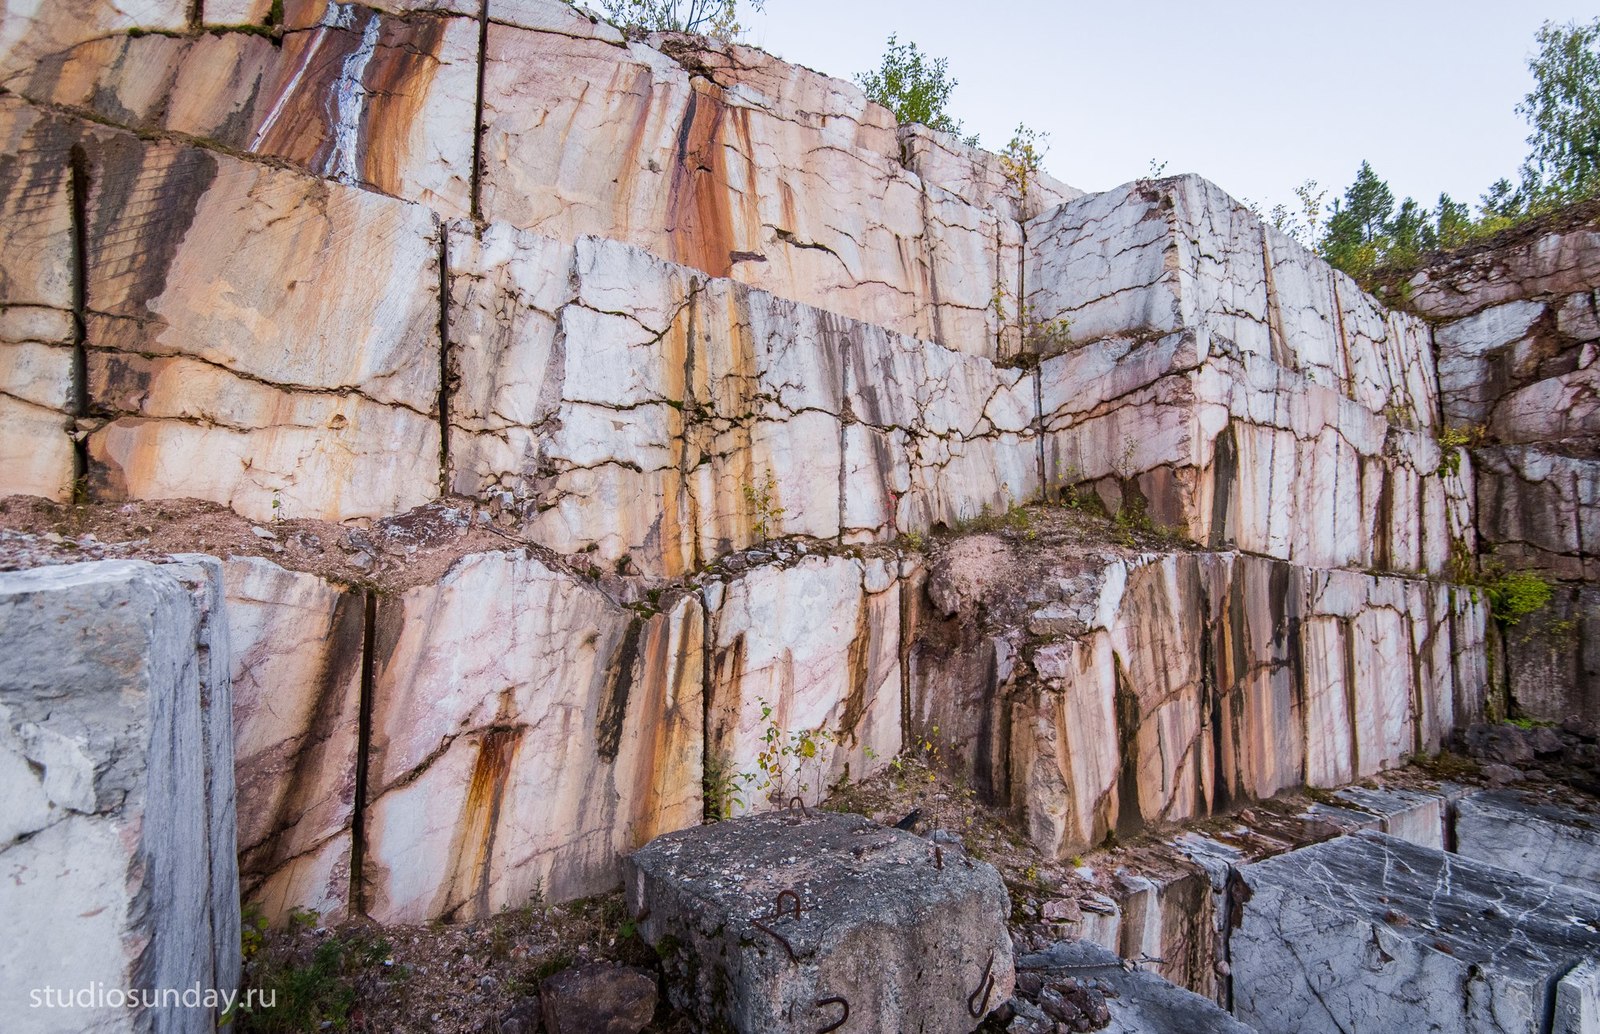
(1370, 932)
(297, 666)
(738, 388)
(568, 733)
(1518, 335)
(814, 646)
(1215, 362)
(466, 362)
(791, 921)
(118, 824)
(1158, 688)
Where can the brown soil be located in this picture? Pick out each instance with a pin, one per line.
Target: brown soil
(395, 553)
(435, 979)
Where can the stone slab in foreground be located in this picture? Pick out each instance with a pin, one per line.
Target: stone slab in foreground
(117, 864)
(911, 940)
(1371, 933)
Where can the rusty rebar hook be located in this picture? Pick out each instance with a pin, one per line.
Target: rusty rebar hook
(791, 895)
(823, 1003)
(775, 935)
(976, 1008)
(789, 810)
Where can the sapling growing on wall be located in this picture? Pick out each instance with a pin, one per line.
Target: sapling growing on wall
(766, 516)
(1022, 161)
(913, 85)
(718, 19)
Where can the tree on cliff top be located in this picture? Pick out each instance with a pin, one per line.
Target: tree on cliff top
(914, 86)
(1564, 111)
(1356, 230)
(718, 19)
(1366, 231)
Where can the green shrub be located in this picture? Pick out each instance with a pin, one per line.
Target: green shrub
(718, 19)
(914, 86)
(1516, 594)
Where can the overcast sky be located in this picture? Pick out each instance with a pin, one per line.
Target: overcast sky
(1256, 96)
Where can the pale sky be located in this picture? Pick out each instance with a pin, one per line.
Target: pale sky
(1256, 96)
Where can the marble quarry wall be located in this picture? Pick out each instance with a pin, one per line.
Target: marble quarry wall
(1236, 386)
(1517, 338)
(1098, 693)
(185, 283)
(513, 728)
(711, 344)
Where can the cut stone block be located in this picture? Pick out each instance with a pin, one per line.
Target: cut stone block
(115, 866)
(1370, 933)
(796, 649)
(214, 331)
(910, 939)
(1517, 831)
(1540, 508)
(1137, 690)
(1144, 1003)
(1215, 363)
(1578, 1001)
(1408, 814)
(33, 31)
(1554, 655)
(745, 167)
(359, 97)
(1170, 916)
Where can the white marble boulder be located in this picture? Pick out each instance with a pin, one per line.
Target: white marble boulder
(789, 922)
(1371, 933)
(117, 865)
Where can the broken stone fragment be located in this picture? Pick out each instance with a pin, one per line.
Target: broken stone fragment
(791, 921)
(1408, 814)
(600, 999)
(1063, 911)
(1112, 995)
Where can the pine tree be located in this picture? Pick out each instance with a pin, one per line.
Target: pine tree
(1358, 228)
(1454, 222)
